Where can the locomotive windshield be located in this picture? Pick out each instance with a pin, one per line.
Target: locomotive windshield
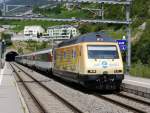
(102, 52)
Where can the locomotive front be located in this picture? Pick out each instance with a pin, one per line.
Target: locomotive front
(103, 65)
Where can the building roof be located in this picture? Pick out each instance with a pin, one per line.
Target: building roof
(32, 27)
(89, 37)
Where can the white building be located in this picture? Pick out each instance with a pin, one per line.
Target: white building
(62, 32)
(69, 6)
(2, 29)
(33, 30)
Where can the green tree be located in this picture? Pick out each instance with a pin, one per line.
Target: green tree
(35, 9)
(20, 50)
(6, 38)
(141, 49)
(0, 13)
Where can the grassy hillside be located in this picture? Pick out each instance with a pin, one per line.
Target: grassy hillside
(24, 47)
(60, 11)
(19, 24)
(140, 49)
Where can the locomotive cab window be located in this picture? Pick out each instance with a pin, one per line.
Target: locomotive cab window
(102, 52)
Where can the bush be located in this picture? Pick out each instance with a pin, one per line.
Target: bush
(140, 70)
(20, 50)
(85, 28)
(35, 46)
(6, 38)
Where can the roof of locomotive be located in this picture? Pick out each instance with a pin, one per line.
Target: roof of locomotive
(89, 37)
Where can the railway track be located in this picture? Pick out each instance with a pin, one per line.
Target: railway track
(134, 99)
(127, 102)
(41, 107)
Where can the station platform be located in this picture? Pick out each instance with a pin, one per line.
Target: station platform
(10, 98)
(137, 85)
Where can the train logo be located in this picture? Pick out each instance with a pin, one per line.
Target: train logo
(104, 64)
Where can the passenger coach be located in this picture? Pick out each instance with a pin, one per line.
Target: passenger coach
(41, 60)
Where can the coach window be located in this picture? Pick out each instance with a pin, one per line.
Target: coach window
(46, 56)
(43, 57)
(38, 57)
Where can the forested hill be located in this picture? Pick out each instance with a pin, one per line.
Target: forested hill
(140, 11)
(140, 15)
(141, 48)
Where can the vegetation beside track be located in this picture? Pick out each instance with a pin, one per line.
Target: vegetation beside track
(140, 70)
(29, 46)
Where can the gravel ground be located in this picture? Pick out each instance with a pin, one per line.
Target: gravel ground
(88, 103)
(50, 103)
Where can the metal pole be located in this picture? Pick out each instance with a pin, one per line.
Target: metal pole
(128, 38)
(129, 47)
(4, 7)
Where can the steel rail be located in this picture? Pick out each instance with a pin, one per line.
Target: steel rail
(134, 99)
(29, 92)
(128, 107)
(68, 104)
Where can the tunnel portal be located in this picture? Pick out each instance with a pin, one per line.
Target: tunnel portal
(10, 56)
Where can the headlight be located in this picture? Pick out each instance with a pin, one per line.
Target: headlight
(117, 71)
(91, 71)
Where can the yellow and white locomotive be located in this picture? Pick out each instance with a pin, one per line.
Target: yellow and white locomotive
(93, 60)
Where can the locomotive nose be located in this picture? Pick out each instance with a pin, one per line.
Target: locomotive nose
(105, 72)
